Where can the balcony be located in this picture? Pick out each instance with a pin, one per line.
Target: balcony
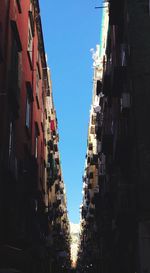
(94, 159)
(57, 161)
(91, 175)
(56, 204)
(50, 182)
(88, 160)
(55, 147)
(90, 146)
(50, 145)
(89, 186)
(57, 187)
(102, 170)
(84, 212)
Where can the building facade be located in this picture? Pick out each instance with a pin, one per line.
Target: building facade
(121, 216)
(30, 169)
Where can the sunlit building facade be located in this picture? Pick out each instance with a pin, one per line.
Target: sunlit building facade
(34, 230)
(94, 168)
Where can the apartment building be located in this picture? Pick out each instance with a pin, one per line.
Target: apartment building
(122, 209)
(122, 138)
(125, 85)
(29, 169)
(58, 239)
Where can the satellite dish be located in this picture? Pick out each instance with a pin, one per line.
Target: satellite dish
(97, 109)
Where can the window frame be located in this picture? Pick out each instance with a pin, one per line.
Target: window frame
(29, 100)
(19, 5)
(28, 113)
(16, 34)
(1, 39)
(38, 78)
(30, 44)
(36, 135)
(36, 147)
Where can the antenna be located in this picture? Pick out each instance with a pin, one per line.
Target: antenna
(102, 7)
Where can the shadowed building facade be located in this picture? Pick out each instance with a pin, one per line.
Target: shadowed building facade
(122, 206)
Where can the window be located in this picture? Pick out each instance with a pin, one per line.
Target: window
(16, 35)
(31, 21)
(28, 104)
(1, 39)
(37, 85)
(14, 59)
(30, 34)
(19, 5)
(14, 78)
(11, 138)
(36, 146)
(37, 133)
(42, 121)
(28, 113)
(30, 44)
(29, 91)
(37, 82)
(12, 157)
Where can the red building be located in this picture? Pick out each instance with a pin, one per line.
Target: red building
(23, 88)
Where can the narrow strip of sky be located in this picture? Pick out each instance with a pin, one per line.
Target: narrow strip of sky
(71, 29)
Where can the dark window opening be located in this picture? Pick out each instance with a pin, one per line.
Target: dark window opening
(19, 5)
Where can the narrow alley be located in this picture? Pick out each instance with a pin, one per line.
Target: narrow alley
(36, 233)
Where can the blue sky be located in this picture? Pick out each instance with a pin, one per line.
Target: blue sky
(71, 29)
